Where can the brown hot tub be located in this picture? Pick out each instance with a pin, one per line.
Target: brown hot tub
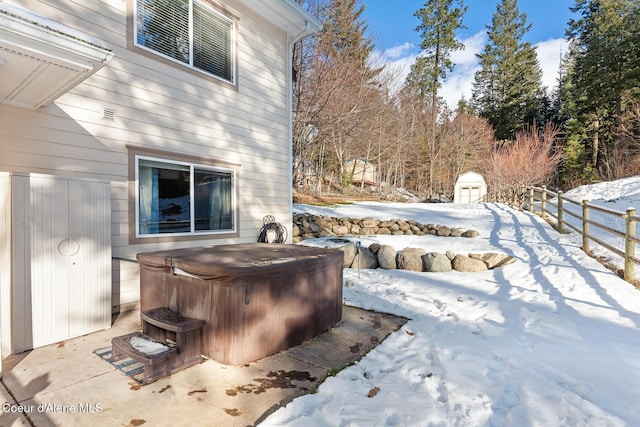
(256, 299)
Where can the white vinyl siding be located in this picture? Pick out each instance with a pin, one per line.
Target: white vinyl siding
(162, 108)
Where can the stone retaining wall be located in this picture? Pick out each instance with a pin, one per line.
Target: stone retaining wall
(308, 226)
(417, 259)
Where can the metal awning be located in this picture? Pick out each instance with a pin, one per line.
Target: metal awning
(40, 59)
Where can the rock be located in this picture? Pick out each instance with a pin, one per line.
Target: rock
(323, 222)
(465, 264)
(451, 255)
(375, 247)
(493, 260)
(366, 231)
(310, 226)
(365, 259)
(370, 222)
(349, 251)
(340, 230)
(444, 231)
(456, 232)
(435, 262)
(326, 233)
(387, 257)
(410, 259)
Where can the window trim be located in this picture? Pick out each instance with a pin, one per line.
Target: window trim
(223, 13)
(136, 153)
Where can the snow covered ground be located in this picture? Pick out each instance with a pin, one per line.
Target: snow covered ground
(551, 340)
(616, 195)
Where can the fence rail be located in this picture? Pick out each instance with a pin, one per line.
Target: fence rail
(538, 200)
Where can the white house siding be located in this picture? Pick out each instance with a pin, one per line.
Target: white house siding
(163, 107)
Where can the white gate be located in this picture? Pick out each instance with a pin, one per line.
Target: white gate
(60, 276)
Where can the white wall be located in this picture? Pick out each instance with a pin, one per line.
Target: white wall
(161, 107)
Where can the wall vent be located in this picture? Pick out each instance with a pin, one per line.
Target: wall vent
(108, 114)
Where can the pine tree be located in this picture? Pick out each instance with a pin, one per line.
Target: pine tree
(507, 90)
(439, 21)
(344, 32)
(606, 78)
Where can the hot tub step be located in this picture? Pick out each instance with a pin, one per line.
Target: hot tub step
(188, 334)
(155, 365)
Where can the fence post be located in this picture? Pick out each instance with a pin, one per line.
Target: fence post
(531, 209)
(585, 226)
(543, 201)
(560, 213)
(629, 245)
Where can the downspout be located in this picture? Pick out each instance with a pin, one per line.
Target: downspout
(292, 42)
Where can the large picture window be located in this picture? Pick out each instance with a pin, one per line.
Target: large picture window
(183, 198)
(187, 31)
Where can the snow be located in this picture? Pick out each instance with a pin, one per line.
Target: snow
(618, 196)
(551, 340)
(145, 346)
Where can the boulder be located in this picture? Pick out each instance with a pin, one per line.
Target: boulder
(456, 232)
(410, 259)
(465, 264)
(470, 233)
(340, 230)
(314, 227)
(365, 259)
(387, 257)
(444, 231)
(370, 222)
(493, 260)
(366, 231)
(375, 247)
(349, 251)
(435, 262)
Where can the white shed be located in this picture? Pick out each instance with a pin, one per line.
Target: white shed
(470, 188)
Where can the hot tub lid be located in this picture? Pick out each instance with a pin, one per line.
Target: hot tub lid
(208, 262)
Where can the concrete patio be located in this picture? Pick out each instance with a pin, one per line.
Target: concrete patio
(67, 384)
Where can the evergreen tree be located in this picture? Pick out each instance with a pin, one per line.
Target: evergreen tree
(439, 21)
(344, 32)
(606, 78)
(507, 89)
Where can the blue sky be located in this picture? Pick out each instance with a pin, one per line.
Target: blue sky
(392, 25)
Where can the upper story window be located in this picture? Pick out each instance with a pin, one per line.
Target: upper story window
(187, 31)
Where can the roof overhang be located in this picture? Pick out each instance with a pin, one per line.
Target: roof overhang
(40, 59)
(286, 14)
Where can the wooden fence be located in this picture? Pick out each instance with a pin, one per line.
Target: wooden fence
(549, 204)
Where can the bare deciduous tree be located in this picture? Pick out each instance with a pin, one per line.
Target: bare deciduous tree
(532, 159)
